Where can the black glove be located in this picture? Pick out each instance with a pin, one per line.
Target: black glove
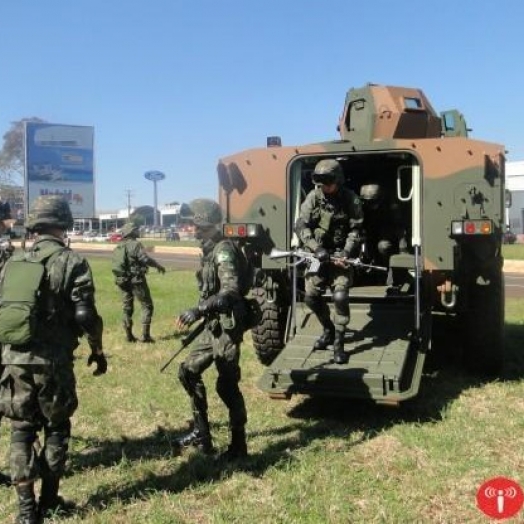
(101, 363)
(190, 316)
(322, 254)
(218, 303)
(161, 269)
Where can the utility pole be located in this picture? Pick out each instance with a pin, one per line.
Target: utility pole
(129, 194)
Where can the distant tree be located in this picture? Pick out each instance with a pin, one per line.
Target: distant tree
(12, 153)
(143, 214)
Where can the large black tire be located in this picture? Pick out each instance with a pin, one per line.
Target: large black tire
(268, 335)
(483, 326)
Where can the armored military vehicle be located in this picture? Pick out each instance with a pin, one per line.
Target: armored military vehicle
(450, 192)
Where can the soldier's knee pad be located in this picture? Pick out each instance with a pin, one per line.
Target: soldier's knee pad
(313, 302)
(56, 448)
(23, 460)
(341, 299)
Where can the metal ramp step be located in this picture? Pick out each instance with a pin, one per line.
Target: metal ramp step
(377, 342)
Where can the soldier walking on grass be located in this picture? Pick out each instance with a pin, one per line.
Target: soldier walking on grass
(130, 265)
(223, 281)
(38, 386)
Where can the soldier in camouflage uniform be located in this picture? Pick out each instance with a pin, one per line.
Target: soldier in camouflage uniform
(6, 250)
(384, 231)
(131, 279)
(37, 387)
(222, 306)
(330, 220)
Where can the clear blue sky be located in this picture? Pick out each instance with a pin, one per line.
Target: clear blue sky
(174, 85)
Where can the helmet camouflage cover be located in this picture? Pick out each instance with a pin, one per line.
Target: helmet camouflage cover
(129, 229)
(205, 212)
(49, 211)
(371, 192)
(328, 171)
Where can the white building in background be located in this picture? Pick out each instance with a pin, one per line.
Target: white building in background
(515, 183)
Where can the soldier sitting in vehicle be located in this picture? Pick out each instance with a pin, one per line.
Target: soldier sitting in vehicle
(383, 228)
(330, 221)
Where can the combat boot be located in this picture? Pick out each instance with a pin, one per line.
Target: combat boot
(237, 449)
(327, 338)
(26, 504)
(199, 437)
(128, 328)
(50, 503)
(146, 334)
(339, 355)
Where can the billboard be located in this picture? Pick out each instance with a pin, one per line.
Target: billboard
(59, 160)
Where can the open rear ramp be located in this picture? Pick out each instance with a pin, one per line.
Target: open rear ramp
(384, 361)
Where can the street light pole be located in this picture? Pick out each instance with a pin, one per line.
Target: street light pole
(155, 176)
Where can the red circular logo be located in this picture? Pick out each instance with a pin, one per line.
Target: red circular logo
(500, 498)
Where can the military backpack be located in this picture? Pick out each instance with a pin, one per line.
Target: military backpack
(24, 295)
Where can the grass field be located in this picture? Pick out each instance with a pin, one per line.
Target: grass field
(311, 461)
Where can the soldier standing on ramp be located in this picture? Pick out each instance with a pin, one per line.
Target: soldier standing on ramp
(38, 387)
(330, 220)
(130, 265)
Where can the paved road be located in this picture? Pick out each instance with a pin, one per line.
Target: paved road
(187, 259)
(514, 285)
(172, 261)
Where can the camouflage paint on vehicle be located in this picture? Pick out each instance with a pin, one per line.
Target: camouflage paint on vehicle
(440, 177)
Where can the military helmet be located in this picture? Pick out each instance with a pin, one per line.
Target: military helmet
(205, 212)
(49, 211)
(129, 230)
(328, 171)
(371, 192)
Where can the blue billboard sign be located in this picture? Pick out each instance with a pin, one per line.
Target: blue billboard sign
(59, 160)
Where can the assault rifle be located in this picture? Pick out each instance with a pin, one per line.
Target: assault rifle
(185, 342)
(313, 263)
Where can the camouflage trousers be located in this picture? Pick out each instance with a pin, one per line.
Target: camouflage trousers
(215, 345)
(141, 292)
(339, 280)
(35, 398)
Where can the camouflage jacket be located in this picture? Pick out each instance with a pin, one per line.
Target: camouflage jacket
(70, 281)
(138, 261)
(333, 222)
(220, 270)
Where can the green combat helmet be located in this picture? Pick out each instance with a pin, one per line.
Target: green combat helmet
(129, 230)
(205, 212)
(49, 211)
(328, 171)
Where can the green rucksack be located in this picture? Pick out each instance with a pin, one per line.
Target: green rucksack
(22, 292)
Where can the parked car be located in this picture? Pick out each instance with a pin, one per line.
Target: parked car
(509, 237)
(89, 236)
(115, 237)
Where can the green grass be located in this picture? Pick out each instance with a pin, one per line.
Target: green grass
(513, 251)
(311, 461)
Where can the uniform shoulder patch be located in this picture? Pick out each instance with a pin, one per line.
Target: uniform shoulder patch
(225, 254)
